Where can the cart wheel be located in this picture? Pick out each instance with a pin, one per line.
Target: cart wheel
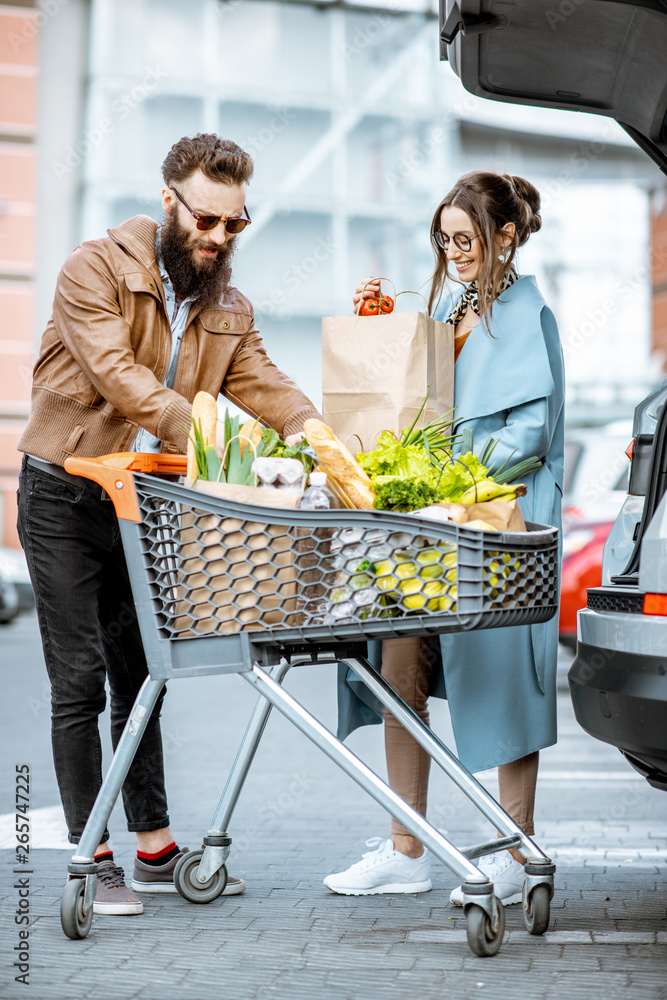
(185, 880)
(75, 922)
(536, 909)
(483, 940)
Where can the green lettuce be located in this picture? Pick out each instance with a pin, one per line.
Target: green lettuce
(459, 475)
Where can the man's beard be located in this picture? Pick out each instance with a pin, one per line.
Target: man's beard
(194, 276)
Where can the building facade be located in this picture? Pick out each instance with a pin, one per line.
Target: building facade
(357, 131)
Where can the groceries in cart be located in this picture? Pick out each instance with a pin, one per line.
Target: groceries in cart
(248, 572)
(247, 455)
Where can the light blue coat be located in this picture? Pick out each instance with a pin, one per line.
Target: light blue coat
(501, 682)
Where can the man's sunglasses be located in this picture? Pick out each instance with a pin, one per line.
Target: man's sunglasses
(207, 222)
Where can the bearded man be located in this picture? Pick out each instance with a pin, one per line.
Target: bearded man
(143, 319)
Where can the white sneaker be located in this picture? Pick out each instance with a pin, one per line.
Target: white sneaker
(383, 870)
(506, 874)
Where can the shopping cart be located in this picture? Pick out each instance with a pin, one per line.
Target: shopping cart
(222, 587)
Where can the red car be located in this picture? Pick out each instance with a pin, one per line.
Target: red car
(596, 474)
(581, 568)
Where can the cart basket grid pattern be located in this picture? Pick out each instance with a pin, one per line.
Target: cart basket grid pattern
(217, 567)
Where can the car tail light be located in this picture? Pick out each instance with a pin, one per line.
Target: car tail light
(655, 604)
(631, 447)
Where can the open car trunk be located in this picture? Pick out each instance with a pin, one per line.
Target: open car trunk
(607, 57)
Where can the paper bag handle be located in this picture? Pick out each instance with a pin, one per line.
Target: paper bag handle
(360, 302)
(411, 292)
(354, 435)
(224, 454)
(407, 291)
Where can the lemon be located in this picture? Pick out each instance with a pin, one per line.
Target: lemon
(383, 567)
(431, 572)
(428, 556)
(412, 586)
(415, 602)
(405, 570)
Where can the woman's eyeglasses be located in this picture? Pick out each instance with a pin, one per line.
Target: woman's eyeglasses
(207, 222)
(461, 240)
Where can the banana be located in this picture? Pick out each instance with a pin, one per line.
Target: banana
(487, 489)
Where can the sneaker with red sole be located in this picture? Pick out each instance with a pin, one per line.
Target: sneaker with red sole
(160, 878)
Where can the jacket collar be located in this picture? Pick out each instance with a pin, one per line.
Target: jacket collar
(137, 237)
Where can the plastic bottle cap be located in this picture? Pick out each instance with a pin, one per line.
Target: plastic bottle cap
(318, 479)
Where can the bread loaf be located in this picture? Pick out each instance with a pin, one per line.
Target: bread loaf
(205, 416)
(336, 460)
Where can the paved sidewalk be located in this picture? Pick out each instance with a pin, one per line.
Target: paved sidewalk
(298, 818)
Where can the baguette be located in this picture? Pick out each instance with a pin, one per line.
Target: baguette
(251, 429)
(336, 460)
(205, 415)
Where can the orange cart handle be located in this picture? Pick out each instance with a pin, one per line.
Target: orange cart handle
(114, 474)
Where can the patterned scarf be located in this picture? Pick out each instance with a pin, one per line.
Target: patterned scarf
(470, 297)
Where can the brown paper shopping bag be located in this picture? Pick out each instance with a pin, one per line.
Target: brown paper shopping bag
(376, 371)
(236, 574)
(504, 515)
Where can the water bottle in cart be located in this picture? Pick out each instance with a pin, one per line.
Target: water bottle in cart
(315, 562)
(318, 496)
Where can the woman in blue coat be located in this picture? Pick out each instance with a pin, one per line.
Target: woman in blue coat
(500, 683)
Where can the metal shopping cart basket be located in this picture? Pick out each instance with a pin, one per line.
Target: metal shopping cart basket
(222, 587)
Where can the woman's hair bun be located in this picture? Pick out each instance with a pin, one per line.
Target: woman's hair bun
(531, 198)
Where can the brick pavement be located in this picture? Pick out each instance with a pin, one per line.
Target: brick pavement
(298, 818)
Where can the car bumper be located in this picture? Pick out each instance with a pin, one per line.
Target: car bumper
(618, 685)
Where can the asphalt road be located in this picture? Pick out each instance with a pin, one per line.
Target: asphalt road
(299, 818)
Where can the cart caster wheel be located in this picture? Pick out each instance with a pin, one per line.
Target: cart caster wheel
(536, 909)
(185, 880)
(75, 922)
(482, 939)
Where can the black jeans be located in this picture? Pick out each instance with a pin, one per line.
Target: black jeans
(89, 631)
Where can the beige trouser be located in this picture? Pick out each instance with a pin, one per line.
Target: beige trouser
(408, 665)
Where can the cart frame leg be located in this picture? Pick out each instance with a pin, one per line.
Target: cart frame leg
(115, 776)
(83, 864)
(366, 778)
(513, 835)
(216, 842)
(244, 757)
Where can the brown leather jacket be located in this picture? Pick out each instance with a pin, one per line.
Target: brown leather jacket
(107, 347)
